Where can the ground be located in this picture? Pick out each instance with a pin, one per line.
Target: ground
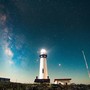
(19, 86)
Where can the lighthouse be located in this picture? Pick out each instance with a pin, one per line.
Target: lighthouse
(43, 72)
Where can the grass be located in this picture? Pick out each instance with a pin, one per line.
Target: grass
(43, 86)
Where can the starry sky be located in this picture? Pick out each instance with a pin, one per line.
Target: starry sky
(62, 27)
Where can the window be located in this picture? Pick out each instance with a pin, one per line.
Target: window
(42, 70)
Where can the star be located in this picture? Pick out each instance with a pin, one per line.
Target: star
(59, 64)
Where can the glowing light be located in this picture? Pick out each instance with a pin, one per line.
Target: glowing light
(9, 55)
(43, 51)
(8, 52)
(86, 63)
(59, 64)
(9, 38)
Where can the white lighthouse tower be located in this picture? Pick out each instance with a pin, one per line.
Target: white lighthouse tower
(43, 73)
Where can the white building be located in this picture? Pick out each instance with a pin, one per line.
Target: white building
(43, 72)
(62, 81)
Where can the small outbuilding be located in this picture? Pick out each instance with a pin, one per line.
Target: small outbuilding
(4, 79)
(64, 81)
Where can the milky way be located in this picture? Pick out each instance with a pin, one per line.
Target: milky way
(11, 43)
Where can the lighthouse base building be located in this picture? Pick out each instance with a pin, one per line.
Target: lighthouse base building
(43, 73)
(37, 80)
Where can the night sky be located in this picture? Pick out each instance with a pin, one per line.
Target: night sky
(62, 27)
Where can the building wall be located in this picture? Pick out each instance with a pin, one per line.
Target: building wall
(62, 82)
(43, 69)
(4, 80)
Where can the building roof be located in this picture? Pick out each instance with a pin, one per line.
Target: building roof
(1, 78)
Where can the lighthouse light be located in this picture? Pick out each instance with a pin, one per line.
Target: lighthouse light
(43, 51)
